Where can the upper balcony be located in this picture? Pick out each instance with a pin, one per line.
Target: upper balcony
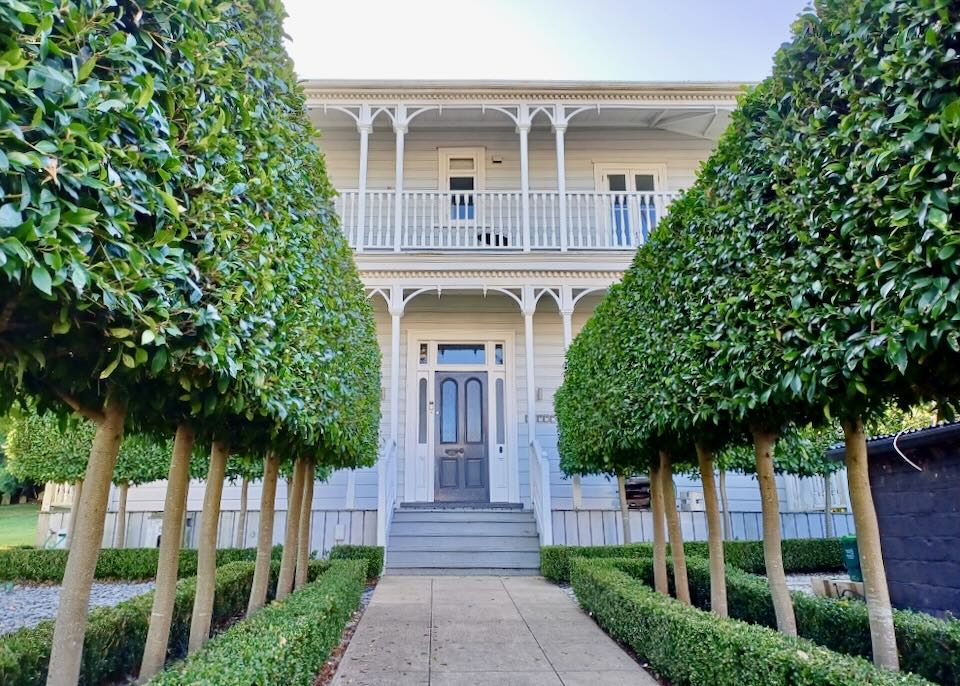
(483, 168)
(499, 220)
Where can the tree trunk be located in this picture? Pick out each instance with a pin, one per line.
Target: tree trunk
(624, 508)
(763, 444)
(680, 583)
(660, 581)
(718, 576)
(882, 635)
(303, 540)
(71, 624)
(241, 534)
(121, 523)
(288, 561)
(725, 504)
(207, 547)
(74, 511)
(268, 494)
(827, 506)
(174, 512)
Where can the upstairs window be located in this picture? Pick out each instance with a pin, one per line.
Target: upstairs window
(461, 173)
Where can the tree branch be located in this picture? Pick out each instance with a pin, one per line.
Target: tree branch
(7, 313)
(95, 416)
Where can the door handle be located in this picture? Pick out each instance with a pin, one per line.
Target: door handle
(453, 452)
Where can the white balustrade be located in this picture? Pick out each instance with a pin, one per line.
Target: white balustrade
(540, 492)
(493, 220)
(387, 490)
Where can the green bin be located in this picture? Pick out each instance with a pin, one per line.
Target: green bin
(851, 557)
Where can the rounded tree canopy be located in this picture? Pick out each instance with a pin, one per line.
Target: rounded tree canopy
(173, 228)
(52, 448)
(866, 135)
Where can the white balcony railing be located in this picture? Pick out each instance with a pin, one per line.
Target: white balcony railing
(494, 220)
(540, 492)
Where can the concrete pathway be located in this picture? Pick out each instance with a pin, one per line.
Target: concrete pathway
(481, 631)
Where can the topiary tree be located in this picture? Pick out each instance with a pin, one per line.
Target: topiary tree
(865, 139)
(165, 269)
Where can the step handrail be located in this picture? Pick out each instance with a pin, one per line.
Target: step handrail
(540, 492)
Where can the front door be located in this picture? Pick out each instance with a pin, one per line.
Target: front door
(461, 437)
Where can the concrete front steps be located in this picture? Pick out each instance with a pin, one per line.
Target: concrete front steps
(470, 541)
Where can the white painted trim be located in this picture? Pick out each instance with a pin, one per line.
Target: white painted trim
(602, 169)
(444, 155)
(433, 336)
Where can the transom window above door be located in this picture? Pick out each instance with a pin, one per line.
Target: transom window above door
(461, 173)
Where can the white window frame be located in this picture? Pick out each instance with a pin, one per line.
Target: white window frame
(444, 155)
(603, 169)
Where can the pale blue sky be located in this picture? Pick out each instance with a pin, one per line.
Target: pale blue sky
(636, 40)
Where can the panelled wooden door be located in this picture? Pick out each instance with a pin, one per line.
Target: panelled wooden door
(461, 437)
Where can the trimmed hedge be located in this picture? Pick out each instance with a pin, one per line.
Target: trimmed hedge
(38, 564)
(113, 646)
(371, 553)
(799, 555)
(691, 647)
(928, 646)
(287, 642)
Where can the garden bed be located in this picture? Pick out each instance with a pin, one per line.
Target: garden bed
(928, 646)
(26, 605)
(286, 642)
(687, 645)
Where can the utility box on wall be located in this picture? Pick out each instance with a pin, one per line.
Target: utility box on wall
(917, 497)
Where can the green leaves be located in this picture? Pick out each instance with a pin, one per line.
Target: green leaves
(164, 212)
(41, 279)
(812, 264)
(10, 216)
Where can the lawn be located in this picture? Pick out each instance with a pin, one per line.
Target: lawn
(18, 524)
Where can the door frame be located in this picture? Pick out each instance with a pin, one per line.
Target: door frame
(419, 461)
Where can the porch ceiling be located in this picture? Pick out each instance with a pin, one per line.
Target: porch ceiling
(696, 109)
(702, 121)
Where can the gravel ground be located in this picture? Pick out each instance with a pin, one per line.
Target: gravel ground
(27, 605)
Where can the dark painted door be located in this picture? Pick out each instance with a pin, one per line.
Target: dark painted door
(461, 437)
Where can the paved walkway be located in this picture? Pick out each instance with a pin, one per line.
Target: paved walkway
(481, 631)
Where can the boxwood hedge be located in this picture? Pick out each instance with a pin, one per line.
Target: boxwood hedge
(115, 636)
(691, 647)
(799, 555)
(928, 646)
(285, 643)
(372, 554)
(33, 564)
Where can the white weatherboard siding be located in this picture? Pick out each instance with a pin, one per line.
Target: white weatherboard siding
(662, 128)
(467, 313)
(681, 155)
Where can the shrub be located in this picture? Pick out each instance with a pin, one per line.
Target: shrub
(689, 646)
(34, 564)
(928, 646)
(115, 636)
(284, 643)
(372, 554)
(799, 555)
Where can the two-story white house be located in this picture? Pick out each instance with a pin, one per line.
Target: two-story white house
(487, 220)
